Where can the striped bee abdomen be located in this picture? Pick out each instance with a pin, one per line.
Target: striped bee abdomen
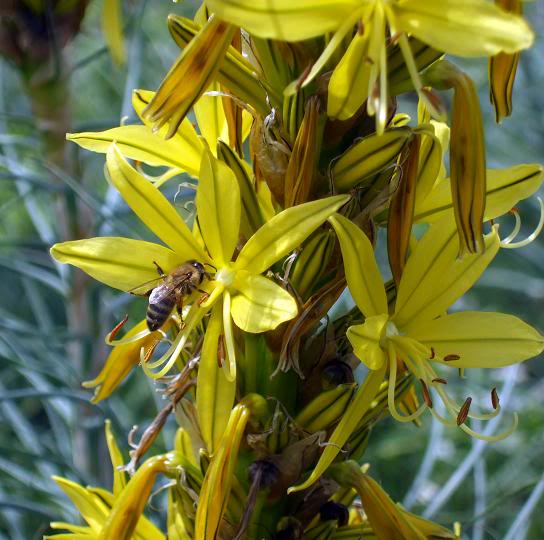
(158, 312)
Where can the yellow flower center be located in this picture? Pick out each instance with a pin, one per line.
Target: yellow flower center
(225, 275)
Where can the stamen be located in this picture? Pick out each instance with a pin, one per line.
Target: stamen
(507, 243)
(426, 394)
(433, 354)
(117, 327)
(451, 357)
(149, 353)
(495, 398)
(125, 340)
(492, 438)
(439, 380)
(230, 371)
(463, 413)
(391, 391)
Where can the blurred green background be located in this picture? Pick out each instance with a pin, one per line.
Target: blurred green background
(53, 321)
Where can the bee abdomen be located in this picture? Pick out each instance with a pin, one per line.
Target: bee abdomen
(157, 313)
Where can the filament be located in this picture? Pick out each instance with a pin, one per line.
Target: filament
(127, 339)
(508, 243)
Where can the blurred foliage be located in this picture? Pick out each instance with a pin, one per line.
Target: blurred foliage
(53, 321)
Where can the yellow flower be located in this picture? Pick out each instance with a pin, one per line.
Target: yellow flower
(459, 27)
(95, 504)
(417, 332)
(255, 303)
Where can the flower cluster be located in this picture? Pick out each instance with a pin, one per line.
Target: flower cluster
(299, 156)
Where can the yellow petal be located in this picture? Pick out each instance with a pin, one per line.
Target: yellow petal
(218, 207)
(214, 391)
(463, 27)
(481, 340)
(128, 508)
(350, 82)
(141, 144)
(363, 275)
(210, 117)
(505, 188)
(190, 76)
(120, 362)
(365, 339)
(152, 207)
(185, 139)
(434, 277)
(113, 29)
(260, 304)
(121, 263)
(356, 410)
(119, 476)
(284, 19)
(284, 232)
(218, 480)
(91, 507)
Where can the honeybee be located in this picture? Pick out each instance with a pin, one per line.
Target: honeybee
(177, 285)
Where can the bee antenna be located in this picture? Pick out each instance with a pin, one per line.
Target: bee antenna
(211, 266)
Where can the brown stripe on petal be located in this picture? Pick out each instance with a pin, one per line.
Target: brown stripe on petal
(463, 412)
(495, 399)
(426, 394)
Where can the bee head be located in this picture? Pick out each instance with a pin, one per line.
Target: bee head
(199, 267)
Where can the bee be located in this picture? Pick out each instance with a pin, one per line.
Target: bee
(177, 285)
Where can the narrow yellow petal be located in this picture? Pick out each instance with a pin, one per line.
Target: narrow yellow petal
(481, 340)
(190, 76)
(214, 392)
(117, 461)
(284, 19)
(463, 27)
(505, 188)
(152, 207)
(141, 144)
(284, 232)
(434, 277)
(113, 30)
(91, 507)
(260, 304)
(121, 263)
(363, 275)
(210, 116)
(356, 410)
(218, 207)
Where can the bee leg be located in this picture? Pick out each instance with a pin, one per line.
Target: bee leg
(179, 308)
(159, 270)
(204, 297)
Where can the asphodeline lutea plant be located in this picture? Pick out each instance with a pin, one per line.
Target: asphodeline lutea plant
(297, 157)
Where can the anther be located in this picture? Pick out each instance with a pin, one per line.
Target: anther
(426, 394)
(463, 412)
(433, 354)
(117, 327)
(149, 353)
(495, 399)
(440, 380)
(451, 357)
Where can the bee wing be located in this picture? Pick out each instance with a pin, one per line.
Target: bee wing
(142, 290)
(160, 292)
